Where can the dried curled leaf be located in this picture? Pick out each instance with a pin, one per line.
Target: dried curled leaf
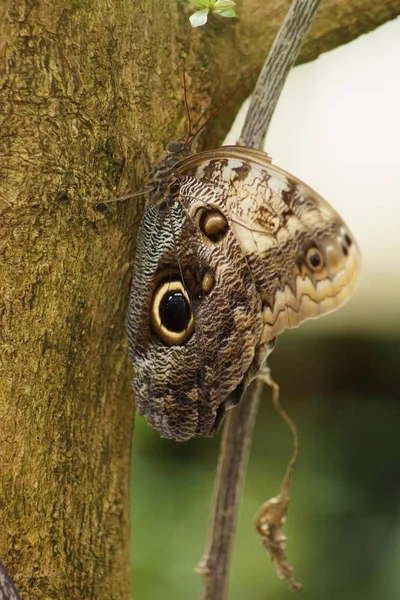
(272, 514)
(268, 522)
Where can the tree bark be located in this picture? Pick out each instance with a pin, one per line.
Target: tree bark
(66, 411)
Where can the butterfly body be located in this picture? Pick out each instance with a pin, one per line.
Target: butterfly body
(162, 175)
(231, 251)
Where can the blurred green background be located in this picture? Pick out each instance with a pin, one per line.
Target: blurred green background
(343, 523)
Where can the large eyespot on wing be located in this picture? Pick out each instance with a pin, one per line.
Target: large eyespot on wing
(304, 259)
(170, 311)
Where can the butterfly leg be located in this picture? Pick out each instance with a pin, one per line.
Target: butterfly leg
(146, 160)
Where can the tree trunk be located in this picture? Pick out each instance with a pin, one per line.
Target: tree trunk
(66, 410)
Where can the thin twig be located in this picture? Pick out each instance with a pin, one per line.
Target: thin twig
(8, 590)
(214, 565)
(280, 60)
(235, 444)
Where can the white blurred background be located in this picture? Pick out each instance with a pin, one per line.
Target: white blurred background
(337, 127)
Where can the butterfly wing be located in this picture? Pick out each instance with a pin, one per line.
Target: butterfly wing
(303, 258)
(194, 317)
(243, 252)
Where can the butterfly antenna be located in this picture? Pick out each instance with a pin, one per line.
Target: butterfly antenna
(221, 106)
(120, 198)
(189, 118)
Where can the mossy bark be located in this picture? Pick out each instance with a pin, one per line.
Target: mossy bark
(66, 410)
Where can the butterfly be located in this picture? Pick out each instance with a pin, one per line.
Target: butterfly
(231, 250)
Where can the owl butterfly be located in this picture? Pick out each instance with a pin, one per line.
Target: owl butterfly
(231, 250)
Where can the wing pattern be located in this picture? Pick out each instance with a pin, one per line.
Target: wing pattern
(231, 251)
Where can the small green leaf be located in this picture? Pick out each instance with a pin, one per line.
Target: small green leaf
(199, 18)
(229, 13)
(222, 4)
(223, 8)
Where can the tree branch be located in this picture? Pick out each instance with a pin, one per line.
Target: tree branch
(281, 58)
(231, 469)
